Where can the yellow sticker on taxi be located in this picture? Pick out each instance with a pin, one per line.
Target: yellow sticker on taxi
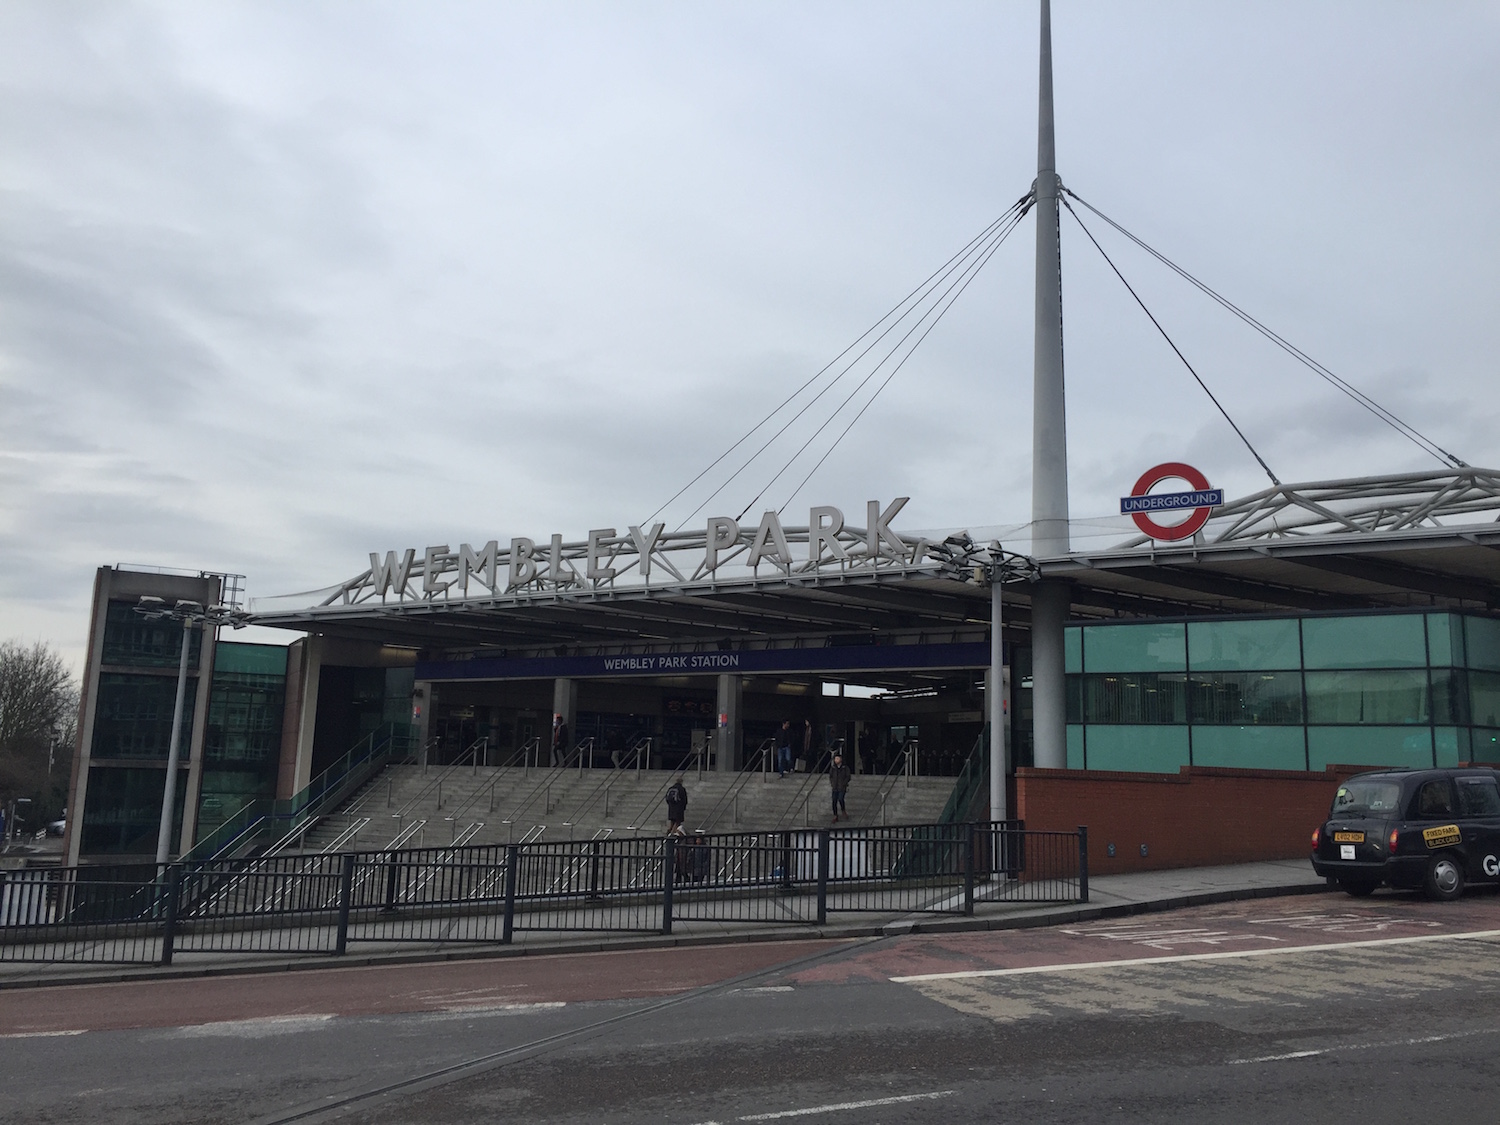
(1442, 836)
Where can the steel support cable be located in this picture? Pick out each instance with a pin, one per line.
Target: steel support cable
(1411, 433)
(869, 402)
(968, 271)
(1196, 377)
(918, 294)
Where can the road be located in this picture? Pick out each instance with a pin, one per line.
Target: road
(1278, 1009)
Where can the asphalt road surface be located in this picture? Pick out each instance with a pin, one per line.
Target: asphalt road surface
(1302, 1009)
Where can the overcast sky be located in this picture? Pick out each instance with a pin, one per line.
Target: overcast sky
(285, 283)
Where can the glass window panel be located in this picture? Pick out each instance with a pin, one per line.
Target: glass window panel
(1483, 637)
(1485, 746)
(1135, 697)
(1369, 746)
(1240, 698)
(1477, 796)
(1075, 747)
(1138, 748)
(1484, 698)
(1450, 745)
(1441, 652)
(1450, 696)
(1075, 699)
(1250, 747)
(1386, 641)
(1134, 648)
(1367, 697)
(1234, 645)
(1073, 648)
(134, 716)
(129, 638)
(122, 810)
(237, 656)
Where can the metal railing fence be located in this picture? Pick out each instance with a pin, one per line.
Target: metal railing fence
(321, 903)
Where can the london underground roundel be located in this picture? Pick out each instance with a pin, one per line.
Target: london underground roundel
(1200, 500)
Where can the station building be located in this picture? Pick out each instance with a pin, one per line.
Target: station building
(1295, 646)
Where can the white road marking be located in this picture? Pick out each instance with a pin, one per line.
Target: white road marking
(42, 1034)
(1219, 955)
(764, 988)
(1413, 1042)
(838, 1107)
(253, 1028)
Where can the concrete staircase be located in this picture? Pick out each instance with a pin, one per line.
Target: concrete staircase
(407, 806)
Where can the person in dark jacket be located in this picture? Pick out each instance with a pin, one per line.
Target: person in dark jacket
(838, 781)
(784, 748)
(677, 798)
(559, 740)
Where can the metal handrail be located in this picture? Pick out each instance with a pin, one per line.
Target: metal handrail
(634, 823)
(760, 762)
(435, 784)
(908, 770)
(346, 836)
(406, 834)
(500, 775)
(554, 774)
(805, 790)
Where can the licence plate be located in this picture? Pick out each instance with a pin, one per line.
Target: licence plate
(1346, 851)
(1348, 837)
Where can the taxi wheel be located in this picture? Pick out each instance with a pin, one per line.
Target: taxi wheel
(1445, 877)
(1359, 888)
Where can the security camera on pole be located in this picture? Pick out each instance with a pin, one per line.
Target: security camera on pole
(190, 614)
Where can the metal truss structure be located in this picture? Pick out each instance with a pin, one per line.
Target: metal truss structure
(1401, 502)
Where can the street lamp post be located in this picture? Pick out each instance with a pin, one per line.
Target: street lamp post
(190, 614)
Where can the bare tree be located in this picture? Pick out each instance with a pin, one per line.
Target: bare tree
(38, 715)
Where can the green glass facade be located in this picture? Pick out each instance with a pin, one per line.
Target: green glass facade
(1291, 693)
(242, 742)
(133, 727)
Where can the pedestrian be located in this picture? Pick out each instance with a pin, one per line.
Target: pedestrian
(807, 745)
(614, 742)
(677, 798)
(784, 748)
(695, 859)
(559, 740)
(867, 749)
(838, 781)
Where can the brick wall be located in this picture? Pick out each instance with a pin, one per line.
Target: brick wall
(1198, 817)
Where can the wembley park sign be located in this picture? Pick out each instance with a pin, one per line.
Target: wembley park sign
(721, 549)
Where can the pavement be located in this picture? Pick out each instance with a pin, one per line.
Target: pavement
(1110, 896)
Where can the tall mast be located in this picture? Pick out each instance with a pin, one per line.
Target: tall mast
(1049, 443)
(1049, 438)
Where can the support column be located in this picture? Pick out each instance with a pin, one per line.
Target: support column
(729, 744)
(1049, 437)
(1049, 699)
(994, 702)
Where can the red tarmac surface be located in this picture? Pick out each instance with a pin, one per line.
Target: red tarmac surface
(652, 973)
(377, 990)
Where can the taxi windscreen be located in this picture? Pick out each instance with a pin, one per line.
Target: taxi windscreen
(1366, 798)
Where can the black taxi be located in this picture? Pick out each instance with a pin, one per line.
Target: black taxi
(1434, 829)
